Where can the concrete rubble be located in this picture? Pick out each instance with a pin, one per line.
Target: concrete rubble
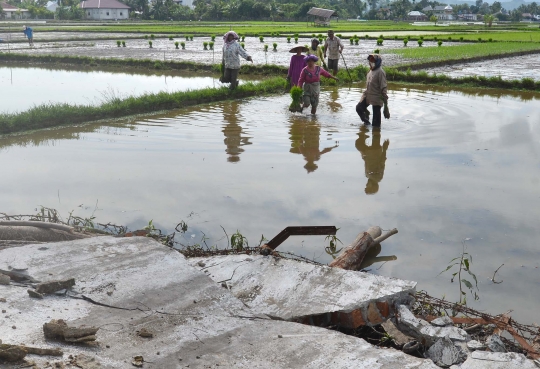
(135, 302)
(195, 322)
(426, 333)
(307, 293)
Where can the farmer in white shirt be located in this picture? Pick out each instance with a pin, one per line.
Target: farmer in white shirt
(231, 61)
(333, 47)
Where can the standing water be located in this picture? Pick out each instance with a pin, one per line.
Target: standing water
(450, 168)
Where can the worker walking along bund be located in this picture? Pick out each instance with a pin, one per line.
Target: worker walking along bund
(375, 94)
(232, 51)
(333, 47)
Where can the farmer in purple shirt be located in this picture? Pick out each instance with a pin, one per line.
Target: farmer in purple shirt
(297, 64)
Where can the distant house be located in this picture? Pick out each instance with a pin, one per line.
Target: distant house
(526, 16)
(104, 9)
(51, 6)
(321, 17)
(468, 17)
(12, 12)
(416, 16)
(443, 12)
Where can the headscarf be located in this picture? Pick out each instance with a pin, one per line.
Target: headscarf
(311, 57)
(226, 36)
(377, 58)
(316, 40)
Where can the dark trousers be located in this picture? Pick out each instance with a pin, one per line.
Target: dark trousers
(230, 75)
(361, 109)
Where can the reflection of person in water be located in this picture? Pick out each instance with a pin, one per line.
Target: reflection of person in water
(233, 132)
(333, 103)
(305, 140)
(374, 158)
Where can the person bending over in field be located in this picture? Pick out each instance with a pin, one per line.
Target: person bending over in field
(29, 33)
(310, 78)
(375, 94)
(232, 51)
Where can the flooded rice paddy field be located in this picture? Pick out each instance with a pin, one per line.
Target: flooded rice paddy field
(16, 35)
(526, 66)
(459, 166)
(29, 86)
(164, 49)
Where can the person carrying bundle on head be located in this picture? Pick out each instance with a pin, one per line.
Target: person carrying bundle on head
(232, 51)
(375, 94)
(310, 78)
(316, 50)
(296, 65)
(29, 33)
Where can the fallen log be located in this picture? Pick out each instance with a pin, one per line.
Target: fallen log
(352, 256)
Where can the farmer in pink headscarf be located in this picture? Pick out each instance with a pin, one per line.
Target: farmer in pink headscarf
(231, 61)
(310, 81)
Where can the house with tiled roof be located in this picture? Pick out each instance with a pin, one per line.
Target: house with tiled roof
(12, 12)
(104, 9)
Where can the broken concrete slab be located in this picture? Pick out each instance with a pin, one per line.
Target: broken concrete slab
(424, 332)
(445, 354)
(399, 338)
(11, 236)
(495, 344)
(497, 360)
(195, 322)
(442, 321)
(308, 293)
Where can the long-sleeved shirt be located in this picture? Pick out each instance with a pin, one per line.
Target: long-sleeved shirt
(332, 47)
(376, 86)
(231, 55)
(28, 32)
(312, 75)
(318, 53)
(296, 66)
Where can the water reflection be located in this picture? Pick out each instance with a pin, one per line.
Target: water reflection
(305, 140)
(333, 103)
(373, 257)
(233, 131)
(374, 156)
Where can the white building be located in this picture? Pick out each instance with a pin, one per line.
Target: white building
(188, 3)
(12, 12)
(104, 9)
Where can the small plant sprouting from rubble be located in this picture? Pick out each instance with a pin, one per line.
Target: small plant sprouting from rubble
(238, 241)
(463, 263)
(331, 249)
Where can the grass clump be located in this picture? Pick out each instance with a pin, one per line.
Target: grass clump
(118, 43)
(123, 43)
(57, 114)
(150, 44)
(177, 44)
(183, 44)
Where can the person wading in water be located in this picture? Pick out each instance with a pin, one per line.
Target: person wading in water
(296, 65)
(316, 50)
(231, 60)
(375, 94)
(310, 78)
(333, 47)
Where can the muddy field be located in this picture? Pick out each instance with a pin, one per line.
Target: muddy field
(527, 66)
(164, 49)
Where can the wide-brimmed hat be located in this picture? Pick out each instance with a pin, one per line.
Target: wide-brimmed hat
(304, 49)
